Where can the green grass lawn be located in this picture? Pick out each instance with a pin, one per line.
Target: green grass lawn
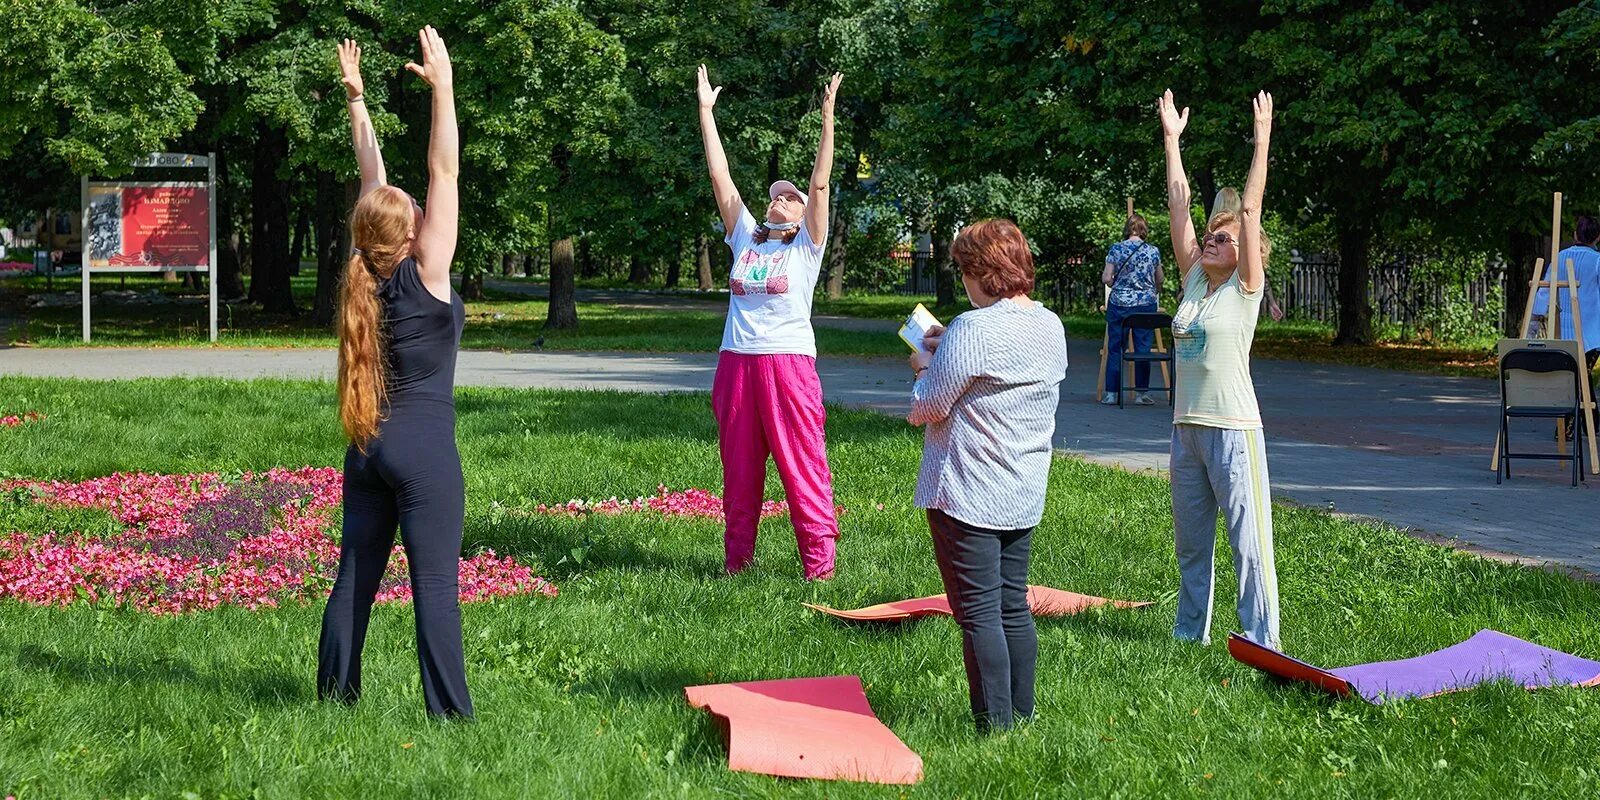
(500, 322)
(581, 695)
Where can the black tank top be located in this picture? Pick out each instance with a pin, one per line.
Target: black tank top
(423, 334)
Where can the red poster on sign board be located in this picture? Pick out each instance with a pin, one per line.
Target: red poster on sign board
(149, 225)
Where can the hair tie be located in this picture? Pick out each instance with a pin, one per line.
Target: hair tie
(358, 251)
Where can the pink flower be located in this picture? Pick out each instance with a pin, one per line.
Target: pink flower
(16, 420)
(689, 504)
(282, 550)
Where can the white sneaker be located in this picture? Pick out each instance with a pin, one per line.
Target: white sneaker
(1143, 399)
(1108, 399)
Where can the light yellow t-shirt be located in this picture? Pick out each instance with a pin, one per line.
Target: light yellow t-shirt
(1211, 339)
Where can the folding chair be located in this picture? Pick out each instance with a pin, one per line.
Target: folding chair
(1159, 354)
(1540, 382)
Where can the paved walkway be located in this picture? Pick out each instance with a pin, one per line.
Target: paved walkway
(1409, 449)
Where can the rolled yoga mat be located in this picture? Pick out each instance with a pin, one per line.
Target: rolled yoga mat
(1487, 656)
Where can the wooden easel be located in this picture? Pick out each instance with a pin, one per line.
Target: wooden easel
(1105, 341)
(1552, 330)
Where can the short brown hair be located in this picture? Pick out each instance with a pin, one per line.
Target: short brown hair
(1135, 226)
(994, 253)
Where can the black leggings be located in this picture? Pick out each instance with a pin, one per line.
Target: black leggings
(411, 476)
(985, 576)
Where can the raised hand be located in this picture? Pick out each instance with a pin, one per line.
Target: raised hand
(707, 95)
(350, 68)
(830, 94)
(435, 67)
(1262, 105)
(1172, 122)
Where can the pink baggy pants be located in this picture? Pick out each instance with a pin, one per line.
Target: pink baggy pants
(772, 405)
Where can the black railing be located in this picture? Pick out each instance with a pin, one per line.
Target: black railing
(1405, 292)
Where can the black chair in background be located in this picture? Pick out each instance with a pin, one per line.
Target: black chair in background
(1540, 383)
(1159, 354)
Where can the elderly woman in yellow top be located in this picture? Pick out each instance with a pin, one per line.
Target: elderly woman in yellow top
(1218, 457)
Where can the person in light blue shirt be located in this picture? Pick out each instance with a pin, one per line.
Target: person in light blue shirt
(1585, 261)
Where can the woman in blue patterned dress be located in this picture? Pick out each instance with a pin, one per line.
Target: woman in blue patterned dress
(1133, 271)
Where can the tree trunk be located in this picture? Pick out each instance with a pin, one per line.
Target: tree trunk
(230, 280)
(472, 278)
(1355, 306)
(702, 260)
(1524, 248)
(772, 167)
(269, 223)
(675, 266)
(838, 236)
(585, 259)
(1206, 183)
(508, 264)
(839, 226)
(297, 251)
(638, 270)
(332, 241)
(943, 265)
(563, 289)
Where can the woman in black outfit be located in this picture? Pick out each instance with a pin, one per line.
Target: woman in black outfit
(399, 328)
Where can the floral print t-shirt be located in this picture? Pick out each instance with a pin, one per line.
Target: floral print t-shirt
(1134, 263)
(769, 292)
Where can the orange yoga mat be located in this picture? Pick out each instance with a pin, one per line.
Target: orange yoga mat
(807, 728)
(1045, 602)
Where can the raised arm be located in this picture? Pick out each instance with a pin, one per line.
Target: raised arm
(822, 170)
(436, 242)
(368, 156)
(1185, 247)
(1252, 269)
(729, 203)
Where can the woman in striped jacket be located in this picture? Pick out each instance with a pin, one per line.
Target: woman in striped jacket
(987, 394)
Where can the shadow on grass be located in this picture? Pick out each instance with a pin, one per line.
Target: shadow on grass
(257, 686)
(665, 417)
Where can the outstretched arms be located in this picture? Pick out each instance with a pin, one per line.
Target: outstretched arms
(822, 170)
(1184, 245)
(729, 203)
(368, 156)
(436, 242)
(1252, 269)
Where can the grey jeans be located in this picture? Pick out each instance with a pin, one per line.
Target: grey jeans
(985, 576)
(1212, 469)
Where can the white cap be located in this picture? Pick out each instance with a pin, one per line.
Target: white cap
(779, 187)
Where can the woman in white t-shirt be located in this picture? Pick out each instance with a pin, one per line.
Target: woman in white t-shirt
(766, 396)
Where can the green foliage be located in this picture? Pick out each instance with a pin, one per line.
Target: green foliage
(99, 94)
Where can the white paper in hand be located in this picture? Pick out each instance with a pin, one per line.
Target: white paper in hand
(917, 327)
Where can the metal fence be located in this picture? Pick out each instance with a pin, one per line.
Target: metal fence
(919, 272)
(1404, 291)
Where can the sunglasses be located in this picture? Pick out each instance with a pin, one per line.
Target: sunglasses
(1220, 237)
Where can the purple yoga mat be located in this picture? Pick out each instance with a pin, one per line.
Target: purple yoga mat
(1488, 656)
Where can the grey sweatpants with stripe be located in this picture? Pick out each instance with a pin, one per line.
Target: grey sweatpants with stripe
(1220, 468)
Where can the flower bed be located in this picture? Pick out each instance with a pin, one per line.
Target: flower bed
(14, 268)
(197, 542)
(688, 503)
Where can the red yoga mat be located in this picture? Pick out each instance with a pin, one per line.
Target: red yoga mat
(1045, 602)
(807, 728)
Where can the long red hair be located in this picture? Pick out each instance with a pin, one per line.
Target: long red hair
(380, 229)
